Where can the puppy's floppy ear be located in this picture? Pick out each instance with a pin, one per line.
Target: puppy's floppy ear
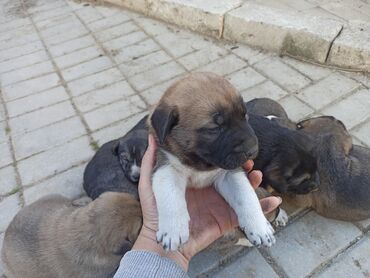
(115, 148)
(163, 119)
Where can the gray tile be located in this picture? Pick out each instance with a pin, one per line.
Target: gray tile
(282, 74)
(40, 118)
(54, 160)
(68, 184)
(9, 207)
(295, 108)
(310, 241)
(327, 90)
(225, 65)
(266, 89)
(245, 78)
(114, 112)
(47, 137)
(7, 180)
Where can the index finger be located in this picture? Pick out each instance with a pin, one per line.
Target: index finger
(147, 164)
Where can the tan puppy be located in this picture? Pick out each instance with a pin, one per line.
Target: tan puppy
(204, 137)
(54, 238)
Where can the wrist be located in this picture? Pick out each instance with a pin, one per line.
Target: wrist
(147, 241)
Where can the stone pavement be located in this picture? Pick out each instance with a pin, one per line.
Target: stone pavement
(73, 76)
(332, 32)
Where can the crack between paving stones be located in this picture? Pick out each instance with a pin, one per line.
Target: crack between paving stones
(331, 44)
(336, 257)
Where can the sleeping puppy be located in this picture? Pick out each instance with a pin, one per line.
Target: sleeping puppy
(54, 238)
(203, 138)
(285, 155)
(116, 165)
(344, 192)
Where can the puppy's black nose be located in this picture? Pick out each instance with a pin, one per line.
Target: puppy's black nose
(252, 153)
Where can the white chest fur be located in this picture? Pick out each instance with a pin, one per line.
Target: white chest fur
(195, 178)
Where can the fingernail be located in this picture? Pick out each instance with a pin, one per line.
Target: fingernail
(280, 200)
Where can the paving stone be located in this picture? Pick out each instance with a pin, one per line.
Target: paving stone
(282, 74)
(18, 39)
(11, 205)
(295, 108)
(153, 94)
(40, 118)
(88, 14)
(108, 22)
(31, 86)
(39, 16)
(94, 81)
(245, 78)
(209, 259)
(116, 31)
(47, 137)
(344, 11)
(106, 95)
(7, 180)
(124, 41)
(56, 21)
(153, 27)
(78, 57)
(360, 77)
(134, 5)
(62, 28)
(6, 156)
(355, 263)
(312, 71)
(297, 34)
(202, 57)
(250, 265)
(46, 7)
(67, 184)
(135, 51)
(36, 101)
(327, 90)
(181, 42)
(86, 68)
(351, 110)
(114, 112)
(225, 65)
(117, 130)
(266, 89)
(110, 10)
(149, 78)
(251, 55)
(306, 243)
(13, 24)
(137, 65)
(29, 72)
(54, 161)
(23, 61)
(3, 132)
(363, 132)
(71, 45)
(18, 51)
(352, 49)
(201, 16)
(65, 37)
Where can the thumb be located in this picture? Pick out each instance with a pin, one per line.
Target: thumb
(270, 203)
(147, 165)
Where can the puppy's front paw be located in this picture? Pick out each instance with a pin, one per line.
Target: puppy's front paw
(173, 233)
(281, 219)
(259, 234)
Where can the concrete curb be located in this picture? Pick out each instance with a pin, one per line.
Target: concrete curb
(313, 38)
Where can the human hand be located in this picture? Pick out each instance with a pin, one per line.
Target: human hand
(210, 215)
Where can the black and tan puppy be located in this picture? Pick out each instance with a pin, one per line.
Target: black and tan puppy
(204, 137)
(344, 192)
(285, 155)
(54, 238)
(116, 165)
